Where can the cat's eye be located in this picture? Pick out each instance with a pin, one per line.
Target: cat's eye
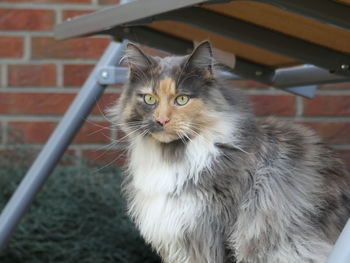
(149, 99)
(182, 100)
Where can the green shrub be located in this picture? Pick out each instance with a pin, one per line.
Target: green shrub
(79, 217)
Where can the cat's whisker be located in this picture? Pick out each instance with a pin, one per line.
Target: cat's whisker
(144, 133)
(181, 136)
(108, 146)
(130, 133)
(120, 156)
(187, 137)
(97, 125)
(131, 123)
(102, 113)
(188, 129)
(98, 131)
(239, 148)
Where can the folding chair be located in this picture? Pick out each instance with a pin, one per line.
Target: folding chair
(292, 45)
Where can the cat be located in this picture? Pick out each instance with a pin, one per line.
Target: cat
(207, 182)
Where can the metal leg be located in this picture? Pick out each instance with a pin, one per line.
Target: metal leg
(341, 251)
(56, 145)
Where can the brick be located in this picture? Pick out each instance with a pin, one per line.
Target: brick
(32, 132)
(11, 46)
(248, 84)
(104, 103)
(45, 103)
(75, 75)
(282, 105)
(332, 132)
(327, 106)
(49, 1)
(66, 14)
(35, 103)
(110, 157)
(335, 86)
(26, 19)
(47, 47)
(39, 132)
(93, 132)
(32, 75)
(108, 2)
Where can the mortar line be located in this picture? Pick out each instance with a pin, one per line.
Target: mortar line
(333, 92)
(37, 33)
(27, 47)
(272, 91)
(309, 118)
(58, 12)
(44, 6)
(59, 75)
(44, 118)
(49, 89)
(3, 76)
(95, 3)
(4, 127)
(299, 106)
(40, 33)
(79, 61)
(71, 147)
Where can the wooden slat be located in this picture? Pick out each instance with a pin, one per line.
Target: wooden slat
(238, 48)
(345, 2)
(288, 23)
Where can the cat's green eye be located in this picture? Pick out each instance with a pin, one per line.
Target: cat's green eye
(182, 100)
(149, 99)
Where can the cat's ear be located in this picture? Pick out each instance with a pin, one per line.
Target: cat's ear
(135, 58)
(201, 58)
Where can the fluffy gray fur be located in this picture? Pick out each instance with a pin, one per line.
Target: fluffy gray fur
(273, 193)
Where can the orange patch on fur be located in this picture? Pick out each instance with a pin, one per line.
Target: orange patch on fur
(166, 93)
(190, 119)
(167, 87)
(196, 115)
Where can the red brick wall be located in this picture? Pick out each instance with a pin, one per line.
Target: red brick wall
(40, 76)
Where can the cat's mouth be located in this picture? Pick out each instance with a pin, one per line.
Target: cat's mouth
(164, 137)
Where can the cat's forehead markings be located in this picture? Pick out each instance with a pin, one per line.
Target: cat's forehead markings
(146, 89)
(166, 87)
(156, 70)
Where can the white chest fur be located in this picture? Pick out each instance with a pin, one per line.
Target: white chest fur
(160, 216)
(153, 175)
(163, 219)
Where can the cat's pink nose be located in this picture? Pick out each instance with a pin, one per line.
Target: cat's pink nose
(162, 121)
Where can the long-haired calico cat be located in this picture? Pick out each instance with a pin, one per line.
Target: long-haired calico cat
(208, 183)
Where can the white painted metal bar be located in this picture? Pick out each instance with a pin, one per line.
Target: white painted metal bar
(305, 75)
(118, 15)
(341, 250)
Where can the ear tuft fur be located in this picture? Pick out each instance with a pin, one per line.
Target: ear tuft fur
(136, 58)
(201, 57)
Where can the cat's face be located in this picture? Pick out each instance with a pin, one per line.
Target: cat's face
(169, 98)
